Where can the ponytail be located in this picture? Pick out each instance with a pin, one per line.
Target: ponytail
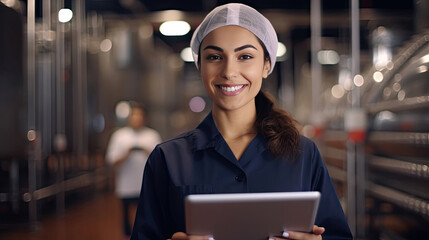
(276, 126)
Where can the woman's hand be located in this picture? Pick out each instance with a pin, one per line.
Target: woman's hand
(184, 236)
(316, 234)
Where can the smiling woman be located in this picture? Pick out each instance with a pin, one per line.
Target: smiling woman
(232, 67)
(244, 145)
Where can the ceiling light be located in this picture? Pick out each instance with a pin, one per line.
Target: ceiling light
(65, 15)
(174, 28)
(186, 55)
(281, 50)
(328, 57)
(122, 109)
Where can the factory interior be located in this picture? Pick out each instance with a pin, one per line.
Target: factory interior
(352, 73)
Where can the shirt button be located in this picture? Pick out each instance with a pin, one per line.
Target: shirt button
(239, 178)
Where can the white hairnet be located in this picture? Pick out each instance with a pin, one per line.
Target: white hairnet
(239, 15)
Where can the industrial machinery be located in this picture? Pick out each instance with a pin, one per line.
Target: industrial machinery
(391, 200)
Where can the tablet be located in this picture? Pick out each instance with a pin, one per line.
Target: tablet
(250, 215)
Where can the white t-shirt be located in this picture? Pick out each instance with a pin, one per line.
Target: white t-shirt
(129, 175)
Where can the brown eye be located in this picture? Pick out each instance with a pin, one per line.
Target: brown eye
(245, 57)
(213, 57)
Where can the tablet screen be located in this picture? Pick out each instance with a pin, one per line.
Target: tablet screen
(250, 215)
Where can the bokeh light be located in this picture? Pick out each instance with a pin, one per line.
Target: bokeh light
(122, 109)
(65, 15)
(174, 28)
(197, 104)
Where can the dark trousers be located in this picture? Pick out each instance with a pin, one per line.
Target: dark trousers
(126, 202)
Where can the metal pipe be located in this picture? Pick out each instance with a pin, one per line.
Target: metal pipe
(356, 161)
(71, 184)
(408, 138)
(351, 186)
(360, 191)
(355, 35)
(408, 168)
(407, 201)
(79, 110)
(44, 61)
(60, 104)
(31, 107)
(316, 68)
(81, 56)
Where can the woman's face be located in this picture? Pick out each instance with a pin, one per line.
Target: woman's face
(232, 67)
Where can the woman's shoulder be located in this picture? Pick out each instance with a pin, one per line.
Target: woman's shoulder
(306, 143)
(308, 149)
(177, 150)
(187, 138)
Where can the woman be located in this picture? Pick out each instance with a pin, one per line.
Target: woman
(244, 145)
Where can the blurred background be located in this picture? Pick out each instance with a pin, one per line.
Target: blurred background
(353, 73)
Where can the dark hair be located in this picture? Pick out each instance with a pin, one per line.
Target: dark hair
(276, 125)
(134, 104)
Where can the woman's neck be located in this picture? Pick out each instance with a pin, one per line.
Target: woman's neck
(233, 124)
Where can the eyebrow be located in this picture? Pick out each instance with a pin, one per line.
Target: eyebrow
(244, 47)
(235, 50)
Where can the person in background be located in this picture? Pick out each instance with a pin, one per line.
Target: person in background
(245, 145)
(127, 151)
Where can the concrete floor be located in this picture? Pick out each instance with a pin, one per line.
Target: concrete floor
(95, 218)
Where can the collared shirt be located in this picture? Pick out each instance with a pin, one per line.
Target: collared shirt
(201, 162)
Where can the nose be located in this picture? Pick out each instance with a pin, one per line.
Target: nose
(230, 69)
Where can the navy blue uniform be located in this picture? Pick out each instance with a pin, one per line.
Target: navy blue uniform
(201, 162)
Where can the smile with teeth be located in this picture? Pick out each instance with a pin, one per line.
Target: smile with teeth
(230, 89)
